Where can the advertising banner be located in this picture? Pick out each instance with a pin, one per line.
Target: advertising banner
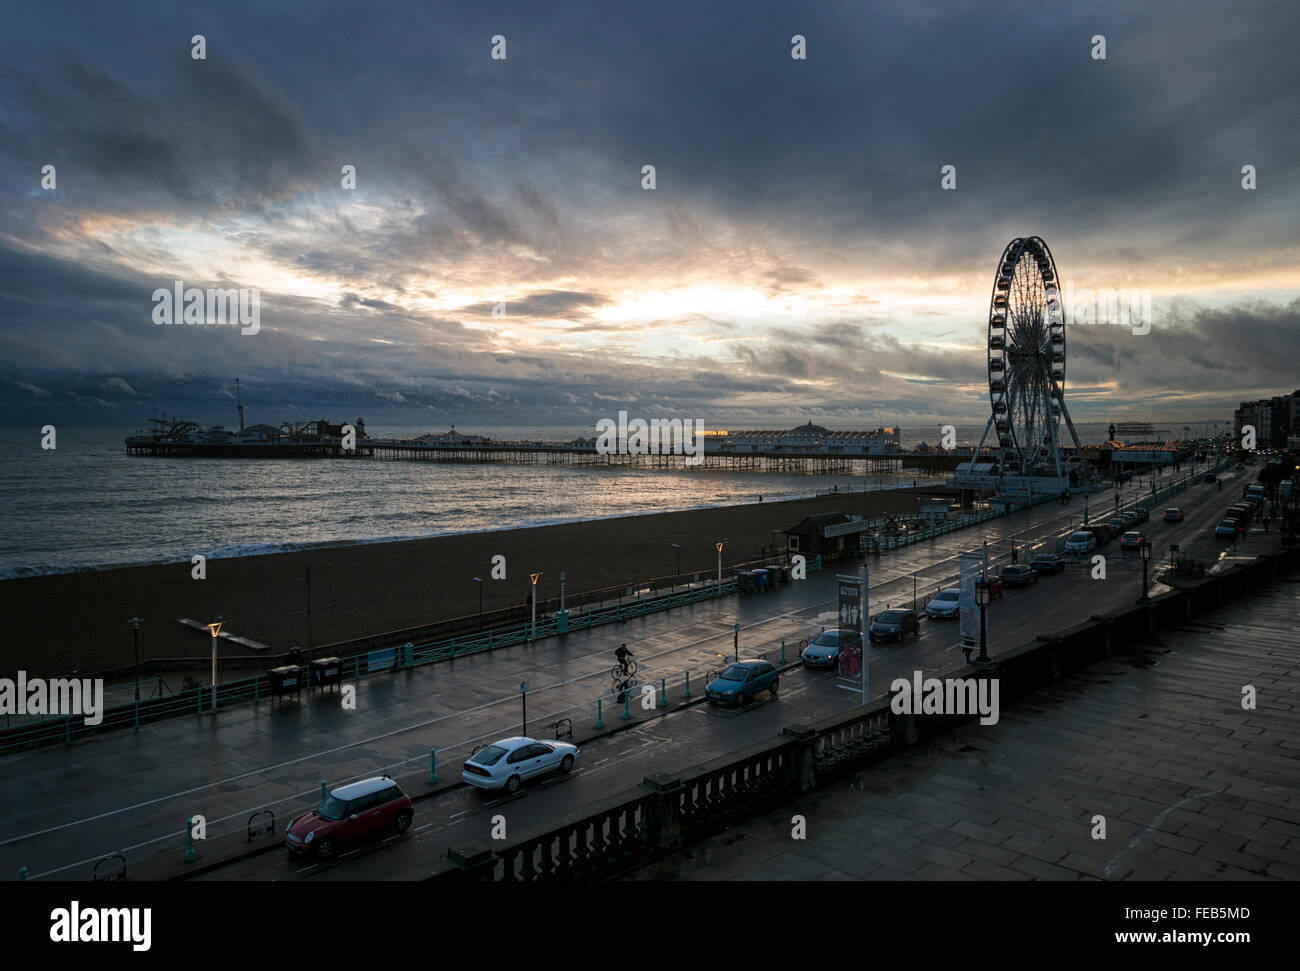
(972, 567)
(852, 665)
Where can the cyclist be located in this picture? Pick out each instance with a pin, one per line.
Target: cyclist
(623, 654)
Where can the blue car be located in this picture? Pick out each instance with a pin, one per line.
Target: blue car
(742, 680)
(1047, 563)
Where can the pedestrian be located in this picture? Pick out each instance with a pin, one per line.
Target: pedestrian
(1266, 522)
(968, 651)
(1220, 485)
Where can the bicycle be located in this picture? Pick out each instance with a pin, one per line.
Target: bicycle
(618, 671)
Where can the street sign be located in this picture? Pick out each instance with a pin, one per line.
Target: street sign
(523, 687)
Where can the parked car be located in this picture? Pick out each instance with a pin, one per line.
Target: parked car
(894, 625)
(1131, 540)
(945, 604)
(348, 814)
(742, 680)
(1082, 541)
(507, 763)
(1019, 575)
(1229, 527)
(1173, 515)
(824, 650)
(1047, 563)
(1142, 515)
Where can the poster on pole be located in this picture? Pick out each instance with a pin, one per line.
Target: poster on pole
(852, 664)
(972, 567)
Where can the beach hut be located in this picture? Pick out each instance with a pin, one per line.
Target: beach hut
(829, 535)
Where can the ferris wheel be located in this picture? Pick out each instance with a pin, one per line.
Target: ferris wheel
(1026, 363)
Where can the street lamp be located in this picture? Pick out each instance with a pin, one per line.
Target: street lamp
(135, 623)
(1145, 551)
(535, 577)
(678, 550)
(719, 548)
(982, 600)
(215, 629)
(479, 581)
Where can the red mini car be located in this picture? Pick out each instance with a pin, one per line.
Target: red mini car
(348, 814)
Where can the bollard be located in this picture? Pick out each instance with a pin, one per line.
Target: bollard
(190, 855)
(627, 701)
(323, 793)
(600, 722)
(688, 685)
(22, 873)
(433, 765)
(783, 650)
(663, 692)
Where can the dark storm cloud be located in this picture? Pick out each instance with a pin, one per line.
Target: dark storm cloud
(212, 133)
(528, 171)
(550, 303)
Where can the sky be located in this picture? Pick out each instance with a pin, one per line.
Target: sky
(499, 261)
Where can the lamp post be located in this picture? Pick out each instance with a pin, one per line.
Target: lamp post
(1145, 551)
(479, 581)
(135, 623)
(215, 629)
(535, 577)
(982, 600)
(719, 548)
(678, 550)
(561, 591)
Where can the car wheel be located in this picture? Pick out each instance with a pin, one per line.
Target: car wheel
(566, 764)
(402, 821)
(512, 784)
(740, 700)
(775, 684)
(326, 847)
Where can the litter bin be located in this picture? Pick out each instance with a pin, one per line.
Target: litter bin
(287, 680)
(760, 579)
(745, 581)
(326, 671)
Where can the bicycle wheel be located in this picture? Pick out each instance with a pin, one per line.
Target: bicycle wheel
(631, 666)
(616, 673)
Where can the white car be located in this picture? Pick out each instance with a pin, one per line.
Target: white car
(507, 763)
(1081, 542)
(946, 604)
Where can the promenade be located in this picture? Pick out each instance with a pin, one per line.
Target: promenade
(1155, 740)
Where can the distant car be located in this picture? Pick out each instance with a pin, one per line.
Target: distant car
(1047, 563)
(1173, 515)
(894, 625)
(1140, 515)
(1131, 540)
(507, 763)
(1120, 522)
(1081, 542)
(1132, 519)
(348, 814)
(1019, 575)
(824, 650)
(945, 604)
(1229, 527)
(742, 680)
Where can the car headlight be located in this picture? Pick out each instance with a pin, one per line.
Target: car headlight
(310, 836)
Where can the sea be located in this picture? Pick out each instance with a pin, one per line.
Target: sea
(88, 505)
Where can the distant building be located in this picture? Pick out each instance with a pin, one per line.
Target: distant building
(452, 437)
(1275, 420)
(828, 535)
